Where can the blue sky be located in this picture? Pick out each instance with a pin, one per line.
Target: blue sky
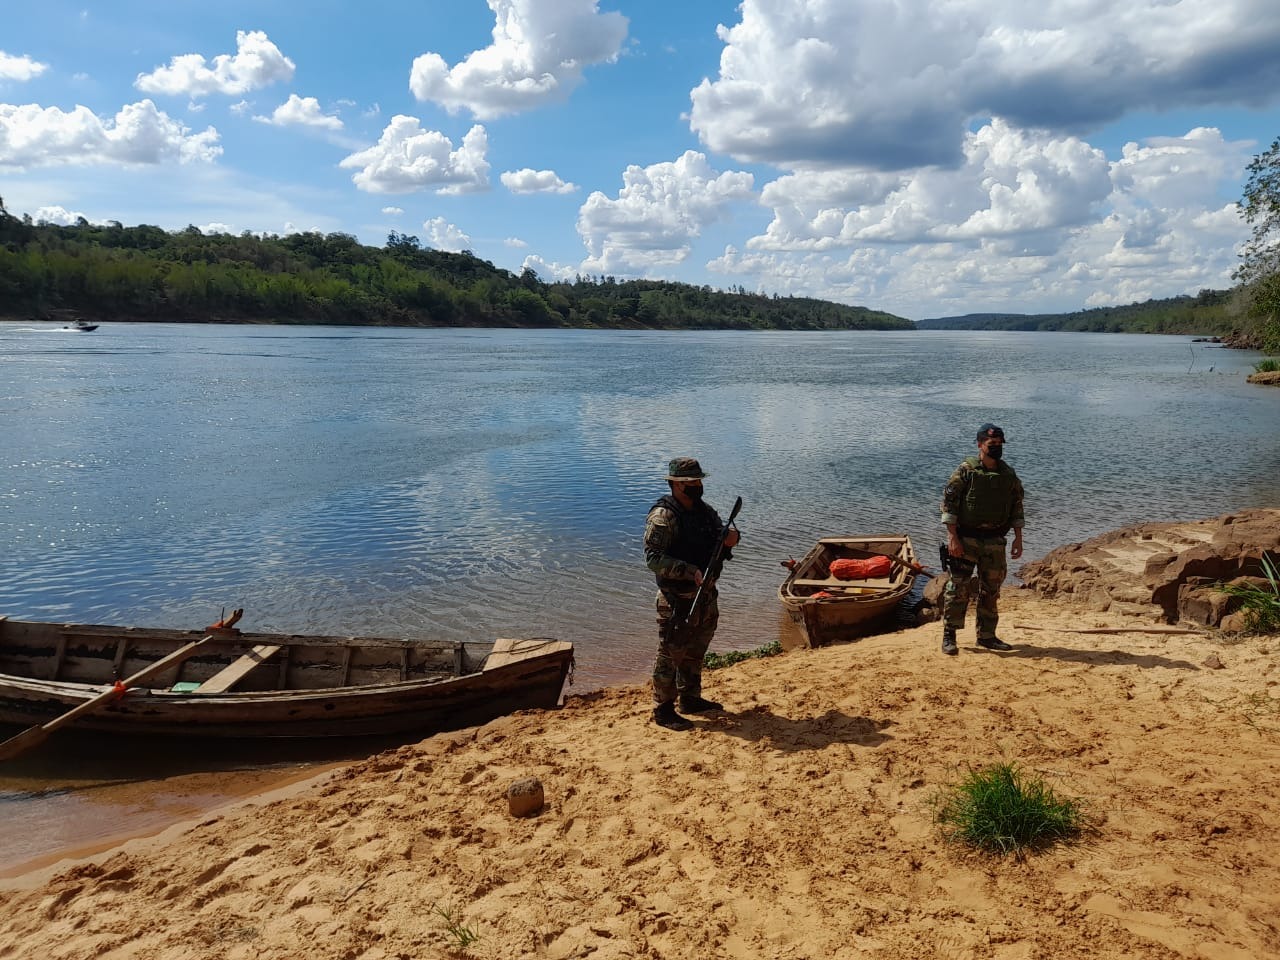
(925, 157)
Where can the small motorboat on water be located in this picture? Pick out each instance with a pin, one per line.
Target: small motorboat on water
(80, 325)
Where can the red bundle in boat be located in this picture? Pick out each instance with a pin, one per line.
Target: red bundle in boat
(868, 569)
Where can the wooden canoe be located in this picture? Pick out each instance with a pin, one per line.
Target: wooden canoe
(828, 609)
(271, 685)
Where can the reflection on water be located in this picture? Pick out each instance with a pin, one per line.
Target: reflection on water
(473, 484)
(476, 484)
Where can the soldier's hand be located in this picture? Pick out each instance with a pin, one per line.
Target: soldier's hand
(1015, 551)
(731, 538)
(954, 546)
(697, 576)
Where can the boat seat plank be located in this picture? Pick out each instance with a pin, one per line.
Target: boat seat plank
(234, 672)
(837, 582)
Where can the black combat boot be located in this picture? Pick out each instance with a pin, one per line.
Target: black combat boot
(993, 643)
(949, 641)
(664, 715)
(696, 703)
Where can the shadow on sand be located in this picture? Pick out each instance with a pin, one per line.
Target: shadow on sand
(790, 735)
(1094, 658)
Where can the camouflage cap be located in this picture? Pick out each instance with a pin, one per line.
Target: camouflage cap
(685, 470)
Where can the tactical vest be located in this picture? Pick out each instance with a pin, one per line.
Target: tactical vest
(988, 499)
(696, 534)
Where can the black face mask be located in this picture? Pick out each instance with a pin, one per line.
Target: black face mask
(995, 451)
(693, 493)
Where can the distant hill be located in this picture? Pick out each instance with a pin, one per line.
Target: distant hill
(112, 272)
(1208, 313)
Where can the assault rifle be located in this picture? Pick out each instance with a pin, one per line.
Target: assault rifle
(715, 563)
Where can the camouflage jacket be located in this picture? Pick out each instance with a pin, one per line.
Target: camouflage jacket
(677, 542)
(987, 499)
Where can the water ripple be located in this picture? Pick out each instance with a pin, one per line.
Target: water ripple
(473, 484)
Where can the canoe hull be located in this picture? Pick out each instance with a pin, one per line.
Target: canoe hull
(306, 687)
(850, 608)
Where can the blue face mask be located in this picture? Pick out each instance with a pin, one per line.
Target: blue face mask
(693, 493)
(995, 451)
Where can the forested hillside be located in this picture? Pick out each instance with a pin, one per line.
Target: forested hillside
(113, 272)
(1209, 313)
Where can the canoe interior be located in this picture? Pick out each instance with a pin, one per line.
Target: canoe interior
(247, 685)
(827, 609)
(812, 574)
(92, 654)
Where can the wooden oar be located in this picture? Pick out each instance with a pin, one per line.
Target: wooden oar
(34, 736)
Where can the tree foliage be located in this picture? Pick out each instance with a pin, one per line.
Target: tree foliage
(1259, 268)
(1210, 312)
(108, 271)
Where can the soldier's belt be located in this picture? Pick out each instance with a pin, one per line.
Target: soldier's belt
(977, 533)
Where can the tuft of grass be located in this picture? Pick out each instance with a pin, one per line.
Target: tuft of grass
(1002, 809)
(1261, 605)
(463, 936)
(1266, 366)
(715, 661)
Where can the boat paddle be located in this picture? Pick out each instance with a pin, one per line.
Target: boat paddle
(34, 736)
(714, 564)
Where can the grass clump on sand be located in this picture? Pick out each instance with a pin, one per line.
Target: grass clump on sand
(462, 936)
(1001, 809)
(714, 661)
(1261, 605)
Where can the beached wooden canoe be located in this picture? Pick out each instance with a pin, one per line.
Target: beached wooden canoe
(827, 608)
(271, 685)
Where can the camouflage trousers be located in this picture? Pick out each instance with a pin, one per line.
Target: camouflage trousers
(986, 559)
(681, 646)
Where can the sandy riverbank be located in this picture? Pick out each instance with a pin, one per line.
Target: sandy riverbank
(796, 825)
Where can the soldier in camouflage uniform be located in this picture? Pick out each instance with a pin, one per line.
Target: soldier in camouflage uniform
(980, 504)
(680, 536)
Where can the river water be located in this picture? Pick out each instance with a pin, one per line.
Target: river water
(471, 484)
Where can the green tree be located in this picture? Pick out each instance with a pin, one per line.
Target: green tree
(1259, 266)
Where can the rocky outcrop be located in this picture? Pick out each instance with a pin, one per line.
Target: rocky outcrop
(1169, 570)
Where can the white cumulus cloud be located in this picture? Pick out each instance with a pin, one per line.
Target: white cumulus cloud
(256, 63)
(535, 181)
(33, 136)
(59, 215)
(443, 235)
(895, 85)
(539, 51)
(408, 158)
(301, 112)
(392, 211)
(21, 68)
(1031, 222)
(549, 271)
(657, 213)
